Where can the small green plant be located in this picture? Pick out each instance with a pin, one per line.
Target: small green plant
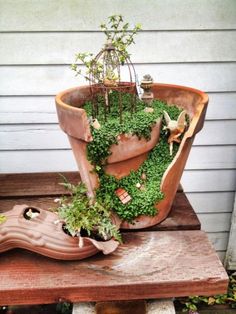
(64, 308)
(120, 37)
(2, 219)
(140, 124)
(82, 214)
(193, 303)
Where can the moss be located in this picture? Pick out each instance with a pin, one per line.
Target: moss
(140, 123)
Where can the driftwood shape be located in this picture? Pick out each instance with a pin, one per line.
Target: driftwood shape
(40, 231)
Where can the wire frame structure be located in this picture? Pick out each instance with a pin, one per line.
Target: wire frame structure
(106, 76)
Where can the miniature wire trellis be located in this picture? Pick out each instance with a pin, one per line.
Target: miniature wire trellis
(105, 76)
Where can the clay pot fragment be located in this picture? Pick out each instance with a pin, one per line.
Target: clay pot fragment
(43, 233)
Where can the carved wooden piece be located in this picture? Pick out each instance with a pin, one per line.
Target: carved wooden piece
(193, 101)
(43, 234)
(148, 265)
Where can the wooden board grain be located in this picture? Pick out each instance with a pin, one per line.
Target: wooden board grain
(42, 109)
(51, 137)
(24, 80)
(41, 189)
(15, 161)
(78, 15)
(39, 47)
(35, 184)
(148, 265)
(181, 217)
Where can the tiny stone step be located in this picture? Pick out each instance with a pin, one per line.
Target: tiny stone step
(125, 307)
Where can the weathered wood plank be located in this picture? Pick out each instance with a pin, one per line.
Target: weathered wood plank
(35, 184)
(212, 157)
(86, 15)
(219, 240)
(181, 217)
(231, 249)
(24, 80)
(221, 255)
(50, 48)
(50, 136)
(41, 109)
(221, 106)
(209, 180)
(215, 222)
(217, 132)
(201, 157)
(117, 277)
(37, 161)
(212, 202)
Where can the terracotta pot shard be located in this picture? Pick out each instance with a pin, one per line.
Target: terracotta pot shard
(43, 233)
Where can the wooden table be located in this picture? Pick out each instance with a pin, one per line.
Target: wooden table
(171, 259)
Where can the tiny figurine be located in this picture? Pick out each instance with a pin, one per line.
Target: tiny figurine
(176, 128)
(144, 176)
(96, 124)
(146, 85)
(148, 109)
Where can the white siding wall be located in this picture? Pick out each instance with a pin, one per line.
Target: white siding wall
(184, 42)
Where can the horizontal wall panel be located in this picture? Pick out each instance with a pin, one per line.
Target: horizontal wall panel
(217, 133)
(209, 181)
(50, 136)
(50, 48)
(24, 15)
(212, 157)
(24, 109)
(221, 255)
(215, 222)
(37, 161)
(63, 160)
(212, 202)
(49, 80)
(219, 240)
(18, 137)
(221, 106)
(41, 109)
(192, 180)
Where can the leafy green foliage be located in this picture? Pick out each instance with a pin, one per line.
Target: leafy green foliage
(140, 124)
(193, 303)
(121, 37)
(82, 213)
(2, 219)
(64, 308)
(120, 34)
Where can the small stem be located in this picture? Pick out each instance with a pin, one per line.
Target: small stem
(120, 106)
(106, 104)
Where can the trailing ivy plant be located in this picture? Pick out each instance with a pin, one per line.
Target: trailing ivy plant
(82, 214)
(192, 304)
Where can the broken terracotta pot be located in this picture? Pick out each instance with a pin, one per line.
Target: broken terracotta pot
(130, 152)
(40, 231)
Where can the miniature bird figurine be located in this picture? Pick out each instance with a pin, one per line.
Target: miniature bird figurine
(176, 128)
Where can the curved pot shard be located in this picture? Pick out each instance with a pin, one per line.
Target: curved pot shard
(192, 101)
(43, 233)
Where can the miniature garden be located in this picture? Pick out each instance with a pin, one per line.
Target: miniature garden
(115, 112)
